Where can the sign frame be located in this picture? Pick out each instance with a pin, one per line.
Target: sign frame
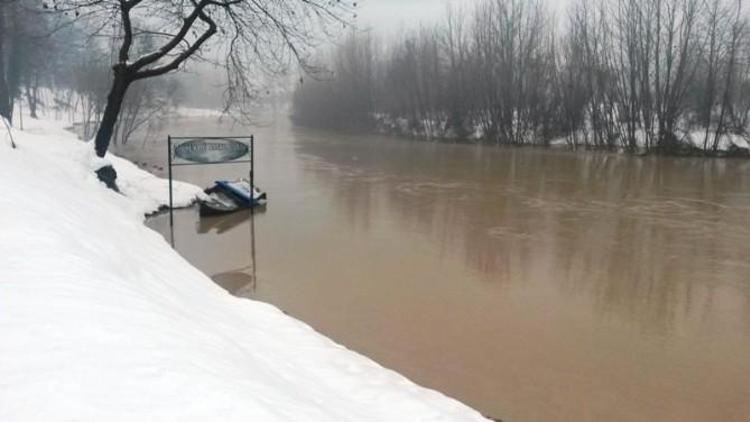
(245, 140)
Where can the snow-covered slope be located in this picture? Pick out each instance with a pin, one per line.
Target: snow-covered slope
(101, 321)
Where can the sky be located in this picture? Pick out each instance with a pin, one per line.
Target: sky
(390, 16)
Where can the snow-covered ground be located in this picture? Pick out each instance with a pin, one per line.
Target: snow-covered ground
(100, 320)
(694, 139)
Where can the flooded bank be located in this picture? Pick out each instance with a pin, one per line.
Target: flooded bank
(530, 284)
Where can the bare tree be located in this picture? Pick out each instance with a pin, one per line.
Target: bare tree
(456, 100)
(27, 48)
(244, 32)
(344, 97)
(6, 109)
(737, 30)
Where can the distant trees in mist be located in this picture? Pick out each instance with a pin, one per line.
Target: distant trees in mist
(631, 74)
(24, 62)
(51, 62)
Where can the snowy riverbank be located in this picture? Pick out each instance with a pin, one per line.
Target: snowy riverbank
(101, 320)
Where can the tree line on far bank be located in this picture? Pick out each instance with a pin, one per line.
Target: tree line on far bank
(639, 75)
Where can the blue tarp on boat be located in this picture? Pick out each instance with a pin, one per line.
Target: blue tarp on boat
(241, 191)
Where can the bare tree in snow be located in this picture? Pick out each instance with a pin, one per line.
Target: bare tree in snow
(244, 36)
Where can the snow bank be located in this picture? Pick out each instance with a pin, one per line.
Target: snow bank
(726, 141)
(101, 321)
(146, 193)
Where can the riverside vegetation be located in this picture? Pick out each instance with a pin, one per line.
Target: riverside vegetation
(637, 75)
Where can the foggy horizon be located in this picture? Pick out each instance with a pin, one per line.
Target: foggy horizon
(389, 17)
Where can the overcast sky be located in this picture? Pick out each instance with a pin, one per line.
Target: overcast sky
(389, 16)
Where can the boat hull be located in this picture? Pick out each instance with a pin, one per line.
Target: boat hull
(227, 197)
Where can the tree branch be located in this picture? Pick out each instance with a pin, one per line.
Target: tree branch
(175, 63)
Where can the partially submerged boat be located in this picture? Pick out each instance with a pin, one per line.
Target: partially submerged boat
(226, 197)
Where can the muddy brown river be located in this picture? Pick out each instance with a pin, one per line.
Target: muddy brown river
(532, 285)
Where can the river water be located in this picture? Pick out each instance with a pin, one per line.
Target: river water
(532, 285)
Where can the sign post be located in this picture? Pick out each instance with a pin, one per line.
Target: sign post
(195, 151)
(252, 168)
(169, 164)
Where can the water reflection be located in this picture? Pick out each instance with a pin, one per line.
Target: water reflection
(653, 245)
(648, 238)
(531, 284)
(223, 246)
(225, 223)
(241, 282)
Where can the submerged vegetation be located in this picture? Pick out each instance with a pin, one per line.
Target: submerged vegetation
(639, 75)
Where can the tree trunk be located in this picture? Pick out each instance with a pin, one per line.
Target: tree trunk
(32, 100)
(5, 110)
(5, 107)
(111, 111)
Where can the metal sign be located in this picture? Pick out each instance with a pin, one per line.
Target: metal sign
(209, 150)
(192, 151)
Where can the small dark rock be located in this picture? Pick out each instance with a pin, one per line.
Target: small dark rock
(108, 176)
